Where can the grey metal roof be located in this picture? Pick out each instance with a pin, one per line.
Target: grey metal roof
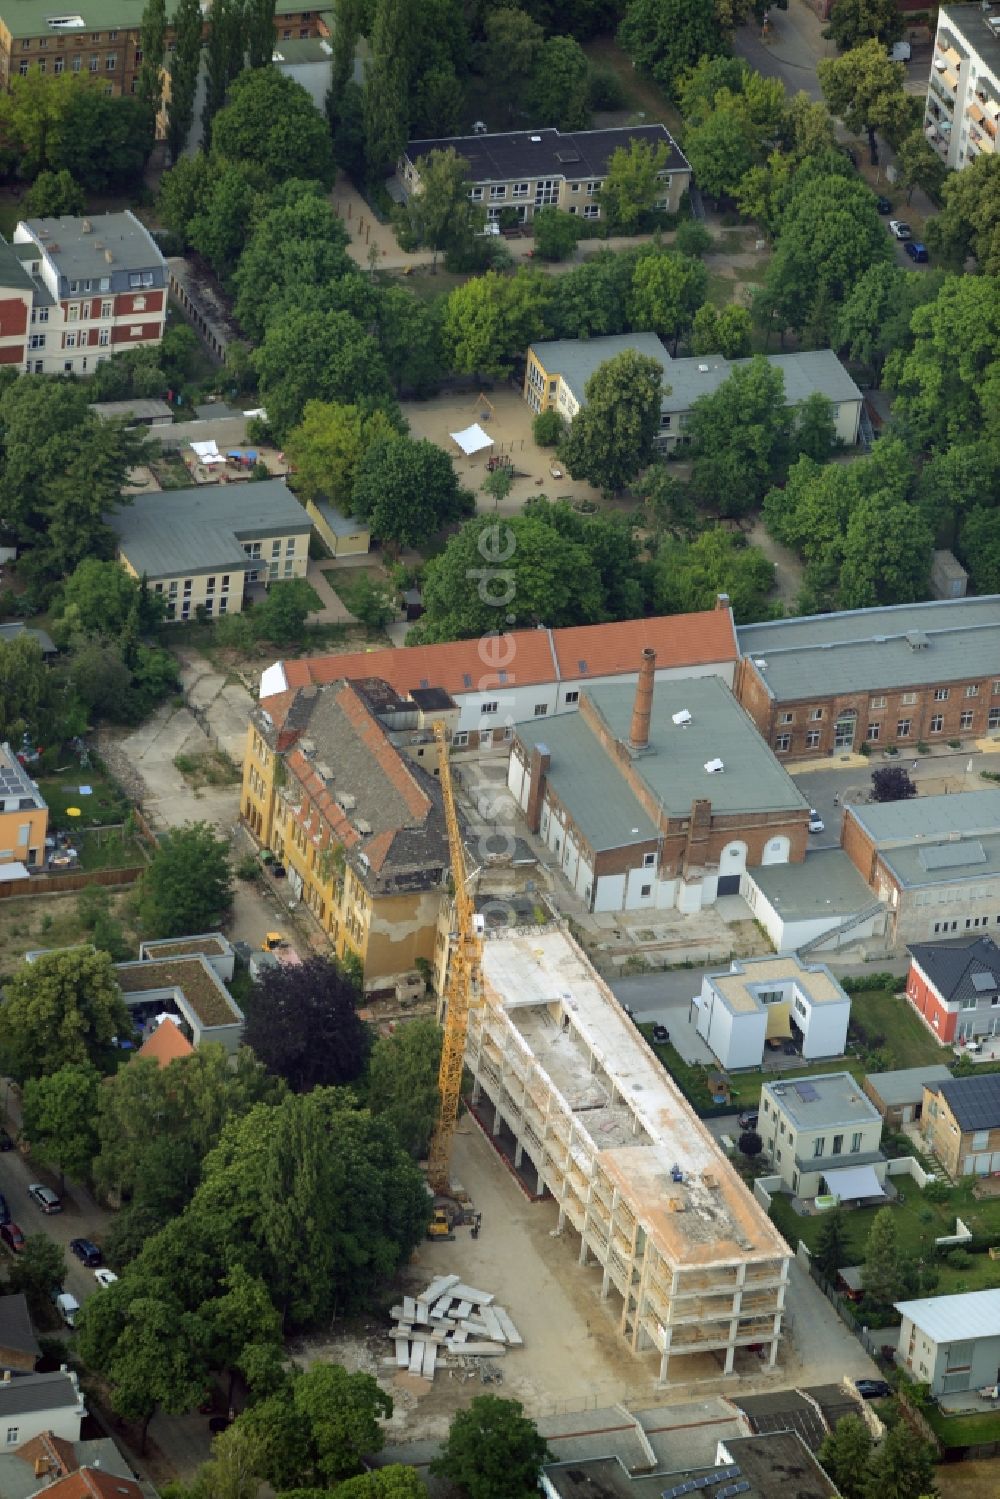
(37, 1392)
(572, 155)
(952, 966)
(866, 650)
(16, 1331)
(826, 884)
(588, 782)
(576, 359)
(924, 817)
(140, 409)
(944, 863)
(974, 1101)
(803, 374)
(78, 246)
(175, 532)
(16, 628)
(339, 523)
(953, 1319)
(820, 1102)
(906, 1084)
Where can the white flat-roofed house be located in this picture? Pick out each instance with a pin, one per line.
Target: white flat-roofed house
(823, 1136)
(951, 1343)
(772, 999)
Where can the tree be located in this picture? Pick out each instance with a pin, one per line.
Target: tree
(401, 1085)
(183, 190)
(548, 428)
(269, 120)
(881, 1273)
(855, 21)
(223, 58)
(40, 1266)
(560, 84)
(665, 38)
(153, 42)
(58, 1120)
(302, 1023)
(63, 1010)
(296, 259)
(980, 548)
(969, 222)
(407, 490)
(919, 165)
(556, 234)
(409, 335)
(492, 1451)
(30, 694)
(724, 331)
(750, 1144)
(393, 1482)
(815, 429)
(327, 446)
(611, 438)
(846, 1453)
(952, 486)
(831, 1243)
(633, 183)
(259, 26)
(512, 47)
(891, 783)
(441, 214)
(721, 150)
(949, 382)
(53, 194)
(902, 1467)
(318, 356)
(864, 88)
(221, 227)
(188, 885)
(739, 438)
(99, 597)
(372, 605)
(184, 68)
(319, 1426)
(102, 140)
(282, 616)
(667, 291)
(30, 113)
(491, 319)
(387, 86)
(497, 485)
(688, 576)
(887, 553)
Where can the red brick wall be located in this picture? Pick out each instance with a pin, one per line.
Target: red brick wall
(927, 1002)
(13, 317)
(858, 846)
(753, 696)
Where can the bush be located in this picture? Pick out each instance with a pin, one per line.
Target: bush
(604, 89)
(548, 429)
(870, 981)
(937, 1191)
(693, 239)
(959, 1259)
(556, 234)
(248, 868)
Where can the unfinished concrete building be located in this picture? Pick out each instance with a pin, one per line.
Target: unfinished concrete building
(697, 1266)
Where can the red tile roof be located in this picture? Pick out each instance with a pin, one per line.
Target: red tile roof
(166, 1044)
(530, 656)
(94, 1483)
(59, 1454)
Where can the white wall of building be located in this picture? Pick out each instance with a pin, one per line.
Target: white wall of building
(824, 1027)
(737, 1040)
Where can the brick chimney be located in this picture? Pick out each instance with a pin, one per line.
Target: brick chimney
(642, 709)
(538, 771)
(722, 601)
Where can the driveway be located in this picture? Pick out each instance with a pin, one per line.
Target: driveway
(790, 51)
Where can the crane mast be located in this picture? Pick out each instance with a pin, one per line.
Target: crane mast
(462, 989)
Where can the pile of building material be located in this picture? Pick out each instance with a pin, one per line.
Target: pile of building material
(448, 1323)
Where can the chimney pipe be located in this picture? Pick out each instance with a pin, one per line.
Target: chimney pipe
(638, 734)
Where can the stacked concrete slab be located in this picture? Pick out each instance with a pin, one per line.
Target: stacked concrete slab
(449, 1320)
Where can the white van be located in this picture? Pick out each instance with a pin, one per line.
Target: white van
(900, 52)
(68, 1307)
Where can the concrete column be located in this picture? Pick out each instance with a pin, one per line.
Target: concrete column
(496, 1120)
(605, 1284)
(584, 1255)
(518, 1152)
(540, 1188)
(665, 1360)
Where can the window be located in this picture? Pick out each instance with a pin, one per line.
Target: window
(786, 717)
(12, 1435)
(95, 63)
(873, 732)
(67, 367)
(941, 694)
(110, 62)
(187, 585)
(290, 568)
(223, 604)
(819, 1146)
(490, 707)
(908, 699)
(138, 278)
(876, 703)
(812, 739)
(41, 64)
(460, 739)
(275, 548)
(856, 1142)
(783, 743)
(903, 728)
(965, 722)
(112, 36)
(993, 721)
(73, 312)
(592, 211)
(59, 65)
(574, 697)
(36, 341)
(209, 585)
(815, 714)
(69, 342)
(75, 64)
(23, 70)
(972, 690)
(838, 1144)
(937, 723)
(290, 546)
(104, 338)
(520, 190)
(476, 194)
(645, 890)
(541, 709)
(649, 861)
(498, 190)
(208, 606)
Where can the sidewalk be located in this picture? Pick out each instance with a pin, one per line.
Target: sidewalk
(334, 610)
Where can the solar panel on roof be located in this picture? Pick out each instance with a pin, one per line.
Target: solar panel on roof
(743, 1487)
(807, 1093)
(984, 982)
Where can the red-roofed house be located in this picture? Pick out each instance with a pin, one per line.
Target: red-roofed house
(499, 681)
(166, 1044)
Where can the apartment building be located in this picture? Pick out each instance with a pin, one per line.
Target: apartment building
(823, 1135)
(934, 862)
(961, 1124)
(962, 112)
(687, 1262)
(502, 680)
(954, 986)
(896, 676)
(204, 548)
(101, 39)
(525, 170)
(24, 816)
(633, 798)
(557, 372)
(98, 285)
(358, 824)
(766, 1001)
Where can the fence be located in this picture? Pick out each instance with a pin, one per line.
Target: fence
(763, 1188)
(62, 884)
(908, 1165)
(844, 1311)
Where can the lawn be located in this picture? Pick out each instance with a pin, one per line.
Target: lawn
(108, 849)
(104, 806)
(964, 1431)
(887, 1021)
(641, 95)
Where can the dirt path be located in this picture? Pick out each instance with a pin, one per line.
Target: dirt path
(788, 568)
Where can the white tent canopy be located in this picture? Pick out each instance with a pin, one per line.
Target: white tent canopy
(852, 1182)
(207, 452)
(472, 440)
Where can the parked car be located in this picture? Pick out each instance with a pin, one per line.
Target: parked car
(900, 229)
(6, 1143)
(87, 1252)
(661, 1034)
(816, 823)
(872, 1389)
(917, 252)
(12, 1236)
(900, 52)
(44, 1198)
(4, 1210)
(68, 1307)
(749, 1120)
(105, 1278)
(883, 205)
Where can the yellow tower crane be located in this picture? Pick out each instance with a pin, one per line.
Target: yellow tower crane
(462, 989)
